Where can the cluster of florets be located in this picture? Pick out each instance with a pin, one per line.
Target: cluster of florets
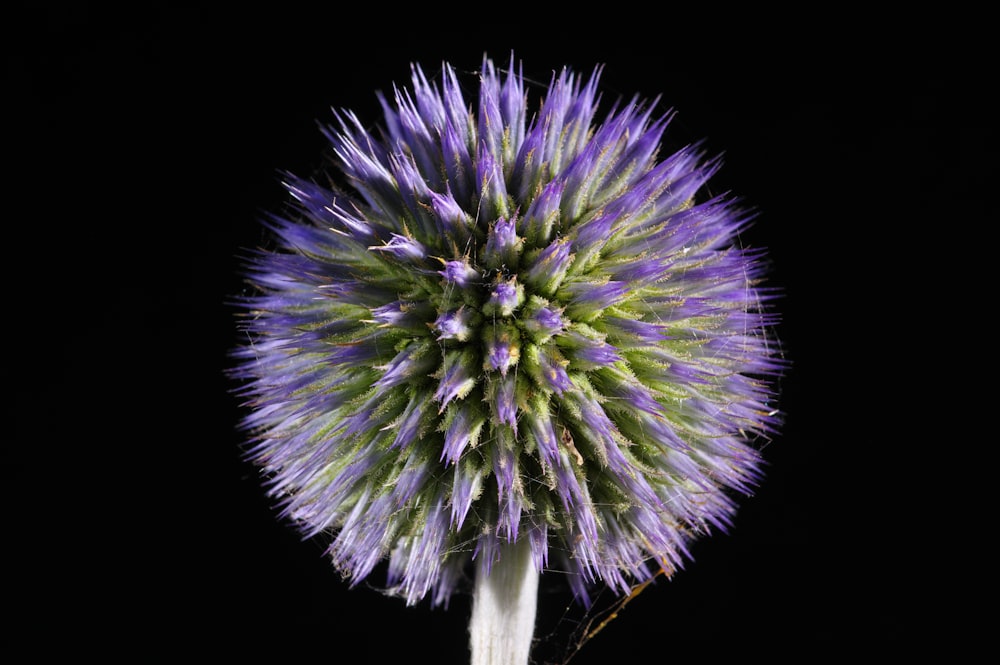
(499, 323)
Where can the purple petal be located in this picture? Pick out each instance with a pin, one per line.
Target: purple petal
(457, 376)
(463, 425)
(454, 325)
(547, 271)
(412, 362)
(548, 368)
(502, 348)
(505, 297)
(459, 273)
(505, 405)
(466, 487)
(503, 246)
(403, 248)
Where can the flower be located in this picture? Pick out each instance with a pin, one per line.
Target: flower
(495, 323)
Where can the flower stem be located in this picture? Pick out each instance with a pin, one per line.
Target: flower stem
(503, 607)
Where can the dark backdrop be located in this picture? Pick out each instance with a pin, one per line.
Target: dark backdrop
(145, 146)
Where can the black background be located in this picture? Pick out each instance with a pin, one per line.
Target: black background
(145, 146)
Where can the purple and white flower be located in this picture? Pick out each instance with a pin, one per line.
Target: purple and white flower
(508, 320)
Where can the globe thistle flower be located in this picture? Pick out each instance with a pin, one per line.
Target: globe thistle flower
(511, 334)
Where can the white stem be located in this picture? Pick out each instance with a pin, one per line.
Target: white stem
(503, 608)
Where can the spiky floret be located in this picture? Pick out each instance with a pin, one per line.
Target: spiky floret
(498, 323)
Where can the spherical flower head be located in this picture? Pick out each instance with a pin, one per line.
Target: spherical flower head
(504, 318)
